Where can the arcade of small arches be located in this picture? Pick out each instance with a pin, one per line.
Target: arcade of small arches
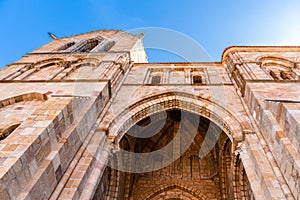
(279, 68)
(61, 69)
(79, 68)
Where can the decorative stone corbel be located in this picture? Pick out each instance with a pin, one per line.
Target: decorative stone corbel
(30, 66)
(37, 68)
(115, 149)
(240, 149)
(247, 132)
(239, 138)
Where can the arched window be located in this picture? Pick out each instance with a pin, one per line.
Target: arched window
(86, 45)
(156, 79)
(91, 43)
(198, 76)
(197, 79)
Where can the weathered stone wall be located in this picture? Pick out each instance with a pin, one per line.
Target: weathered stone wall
(39, 157)
(65, 107)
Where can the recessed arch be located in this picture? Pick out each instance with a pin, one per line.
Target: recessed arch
(48, 61)
(277, 68)
(144, 107)
(274, 59)
(44, 70)
(80, 70)
(185, 189)
(84, 64)
(276, 65)
(95, 61)
(232, 130)
(23, 97)
(32, 70)
(4, 132)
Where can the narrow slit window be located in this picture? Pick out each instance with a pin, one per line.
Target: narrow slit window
(92, 43)
(155, 80)
(197, 79)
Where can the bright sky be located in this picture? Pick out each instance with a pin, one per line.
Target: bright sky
(214, 24)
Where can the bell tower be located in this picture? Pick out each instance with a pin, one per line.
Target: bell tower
(50, 99)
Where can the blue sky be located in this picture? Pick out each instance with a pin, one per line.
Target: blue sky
(213, 24)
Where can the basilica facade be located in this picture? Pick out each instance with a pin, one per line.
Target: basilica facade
(87, 117)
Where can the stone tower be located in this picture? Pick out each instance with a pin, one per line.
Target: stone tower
(86, 117)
